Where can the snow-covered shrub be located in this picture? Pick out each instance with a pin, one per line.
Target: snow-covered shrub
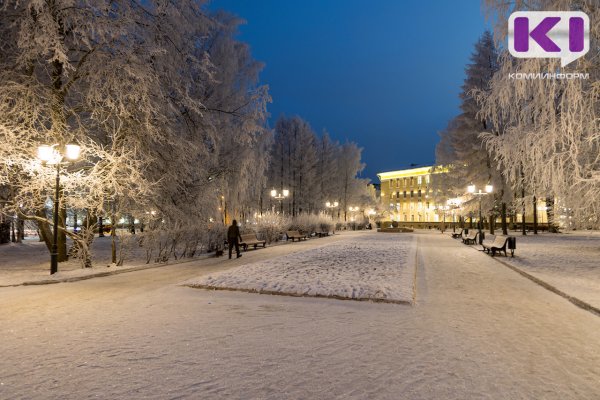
(269, 226)
(215, 235)
(309, 223)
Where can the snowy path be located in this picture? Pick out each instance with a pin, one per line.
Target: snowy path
(479, 330)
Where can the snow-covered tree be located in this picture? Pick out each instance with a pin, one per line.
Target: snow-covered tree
(315, 170)
(461, 154)
(136, 86)
(546, 137)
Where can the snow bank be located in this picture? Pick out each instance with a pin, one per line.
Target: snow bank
(568, 261)
(365, 267)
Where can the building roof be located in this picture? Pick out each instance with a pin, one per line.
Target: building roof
(383, 176)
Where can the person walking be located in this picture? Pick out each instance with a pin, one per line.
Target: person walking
(233, 238)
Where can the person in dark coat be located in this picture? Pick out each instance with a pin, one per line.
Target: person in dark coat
(233, 238)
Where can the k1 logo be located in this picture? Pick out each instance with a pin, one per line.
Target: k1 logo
(549, 34)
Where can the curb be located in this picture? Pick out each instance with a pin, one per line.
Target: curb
(96, 275)
(323, 296)
(578, 302)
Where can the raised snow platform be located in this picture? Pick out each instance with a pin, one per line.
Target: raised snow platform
(363, 267)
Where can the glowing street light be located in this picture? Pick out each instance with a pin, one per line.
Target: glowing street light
(279, 196)
(332, 206)
(50, 155)
(453, 204)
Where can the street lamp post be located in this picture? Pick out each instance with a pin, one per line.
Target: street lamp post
(50, 155)
(488, 189)
(279, 196)
(453, 204)
(332, 206)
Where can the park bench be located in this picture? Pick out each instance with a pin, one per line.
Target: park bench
(321, 233)
(295, 235)
(250, 239)
(501, 244)
(470, 238)
(457, 235)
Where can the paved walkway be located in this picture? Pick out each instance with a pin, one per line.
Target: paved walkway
(478, 330)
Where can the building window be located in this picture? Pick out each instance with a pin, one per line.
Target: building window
(397, 195)
(419, 180)
(419, 192)
(427, 179)
(420, 217)
(411, 193)
(405, 194)
(397, 182)
(428, 205)
(412, 217)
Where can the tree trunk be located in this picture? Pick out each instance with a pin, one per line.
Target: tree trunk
(44, 229)
(20, 230)
(535, 218)
(131, 225)
(113, 235)
(75, 221)
(550, 214)
(503, 217)
(13, 236)
(523, 227)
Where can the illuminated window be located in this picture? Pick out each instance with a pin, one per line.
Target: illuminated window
(419, 180)
(420, 205)
(405, 217)
(427, 179)
(428, 205)
(404, 181)
(412, 217)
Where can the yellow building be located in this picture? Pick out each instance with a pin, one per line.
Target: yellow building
(407, 196)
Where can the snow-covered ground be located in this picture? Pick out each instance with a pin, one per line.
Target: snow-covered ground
(364, 266)
(477, 331)
(567, 261)
(30, 262)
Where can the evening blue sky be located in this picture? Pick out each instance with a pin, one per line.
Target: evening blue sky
(384, 74)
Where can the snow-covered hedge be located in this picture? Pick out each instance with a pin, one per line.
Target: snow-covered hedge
(271, 226)
(309, 223)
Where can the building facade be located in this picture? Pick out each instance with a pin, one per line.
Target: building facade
(407, 196)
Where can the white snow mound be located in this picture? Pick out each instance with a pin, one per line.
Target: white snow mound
(378, 267)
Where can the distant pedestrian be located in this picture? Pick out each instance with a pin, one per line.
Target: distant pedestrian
(233, 238)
